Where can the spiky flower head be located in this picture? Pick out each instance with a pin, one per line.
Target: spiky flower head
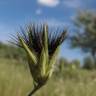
(42, 49)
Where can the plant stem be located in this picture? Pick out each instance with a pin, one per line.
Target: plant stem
(34, 90)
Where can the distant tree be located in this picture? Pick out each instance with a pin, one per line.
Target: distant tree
(88, 63)
(76, 63)
(85, 36)
(62, 63)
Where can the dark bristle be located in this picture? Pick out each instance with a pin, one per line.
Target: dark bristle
(33, 37)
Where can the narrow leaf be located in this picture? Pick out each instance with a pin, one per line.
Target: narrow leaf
(52, 62)
(31, 55)
(45, 36)
(43, 62)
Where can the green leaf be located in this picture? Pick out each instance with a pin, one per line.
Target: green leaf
(45, 35)
(45, 45)
(31, 54)
(43, 62)
(52, 62)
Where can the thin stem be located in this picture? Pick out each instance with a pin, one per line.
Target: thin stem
(34, 90)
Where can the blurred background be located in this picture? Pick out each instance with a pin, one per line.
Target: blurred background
(75, 69)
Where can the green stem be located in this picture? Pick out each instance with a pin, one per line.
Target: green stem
(34, 90)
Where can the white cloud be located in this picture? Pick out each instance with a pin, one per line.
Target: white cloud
(73, 3)
(38, 11)
(50, 3)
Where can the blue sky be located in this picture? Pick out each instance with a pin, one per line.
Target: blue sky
(16, 13)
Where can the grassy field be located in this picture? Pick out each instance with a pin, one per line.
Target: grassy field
(15, 80)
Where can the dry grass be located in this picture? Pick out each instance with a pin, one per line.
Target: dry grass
(15, 80)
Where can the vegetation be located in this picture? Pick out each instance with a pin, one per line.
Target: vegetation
(41, 49)
(89, 63)
(11, 52)
(85, 35)
(15, 80)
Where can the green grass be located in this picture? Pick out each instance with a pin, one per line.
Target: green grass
(15, 80)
